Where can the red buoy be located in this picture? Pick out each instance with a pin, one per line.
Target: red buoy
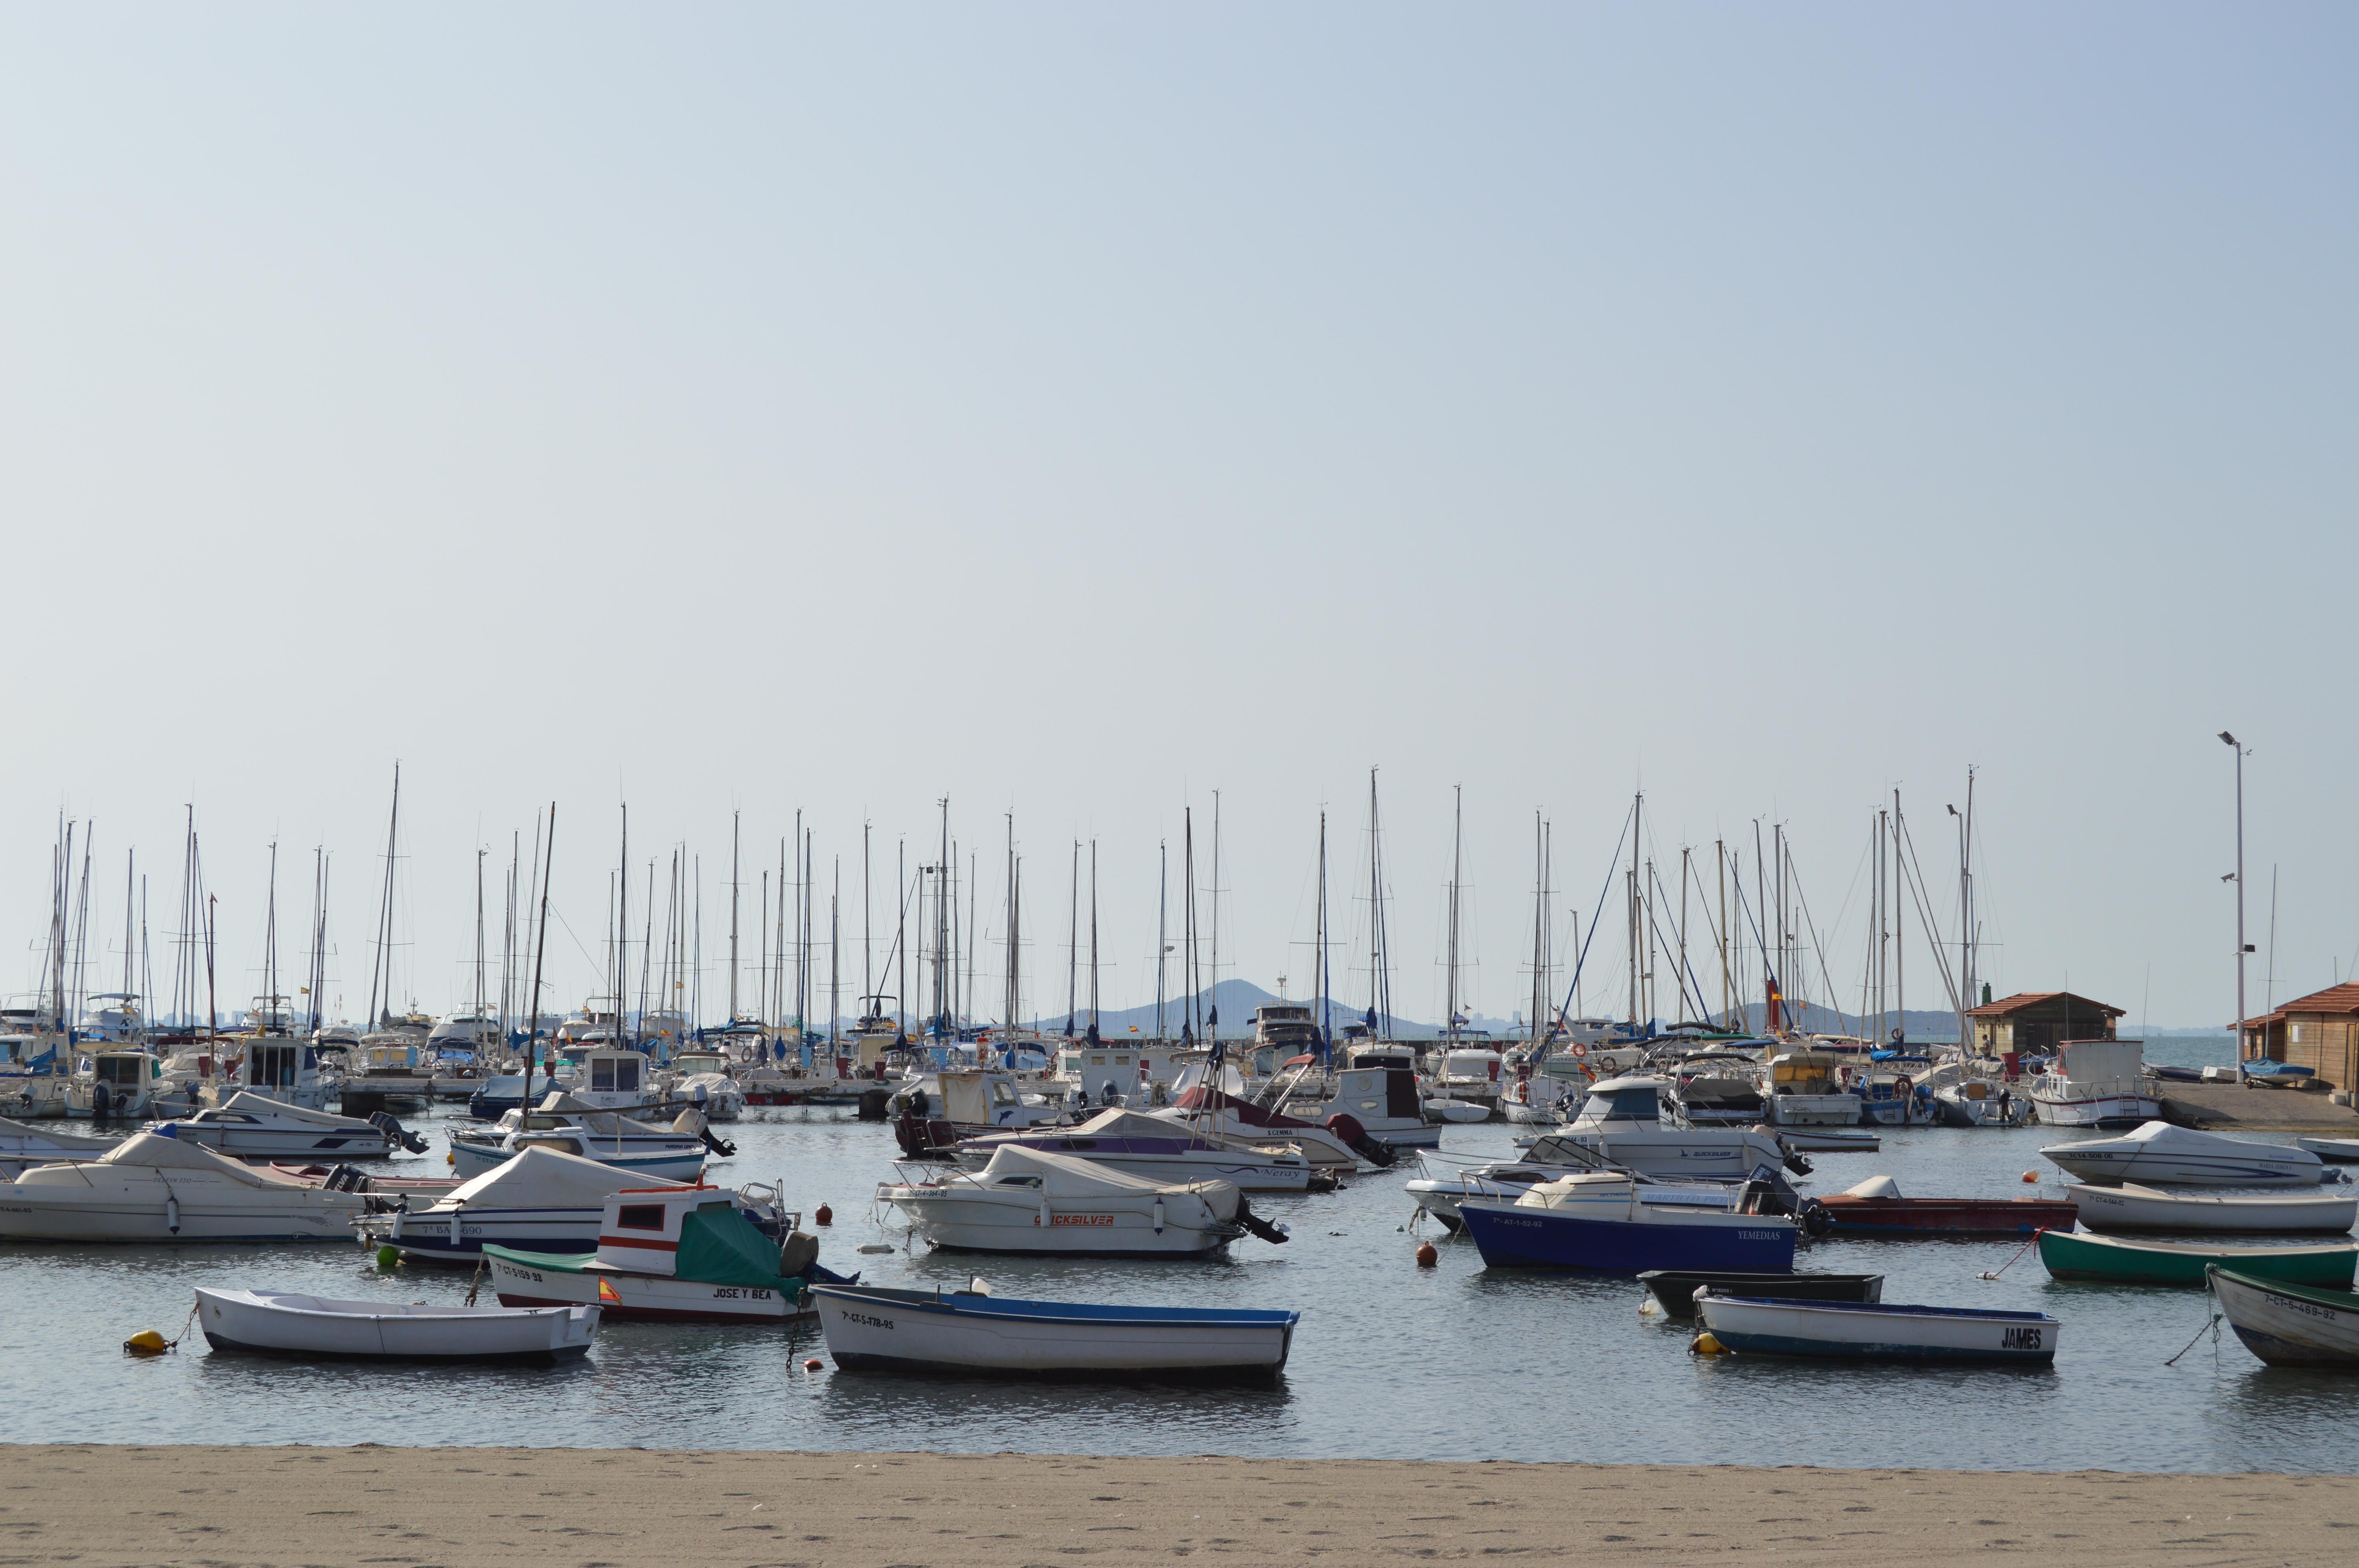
(1426, 1256)
(813, 1364)
(823, 1216)
(2031, 1176)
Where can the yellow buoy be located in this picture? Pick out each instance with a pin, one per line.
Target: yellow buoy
(147, 1342)
(1705, 1345)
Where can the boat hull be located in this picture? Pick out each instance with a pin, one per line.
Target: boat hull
(306, 1328)
(527, 1280)
(1674, 1289)
(2340, 1150)
(2211, 1162)
(2067, 1109)
(2070, 1255)
(470, 1158)
(1511, 1236)
(2295, 1326)
(1945, 1217)
(1863, 1331)
(189, 1213)
(2141, 1209)
(919, 1332)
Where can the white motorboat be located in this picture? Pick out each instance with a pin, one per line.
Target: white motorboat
(280, 1323)
(1802, 1092)
(2180, 1156)
(1965, 1096)
(2096, 1082)
(564, 1123)
(1213, 1113)
(1876, 1332)
(1025, 1201)
(971, 1332)
(1507, 1180)
(2133, 1207)
(1378, 1092)
(543, 1200)
(1620, 1124)
(120, 1082)
(251, 1127)
(148, 1188)
(1445, 1111)
(1470, 1075)
(2342, 1150)
(1149, 1146)
(671, 1255)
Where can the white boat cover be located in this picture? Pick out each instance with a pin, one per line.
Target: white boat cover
(153, 1152)
(1062, 1176)
(1118, 1122)
(247, 1103)
(1585, 1187)
(1875, 1187)
(541, 1177)
(2162, 1136)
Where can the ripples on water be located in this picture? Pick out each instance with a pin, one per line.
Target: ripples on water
(1391, 1361)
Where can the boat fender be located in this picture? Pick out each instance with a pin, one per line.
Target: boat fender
(454, 1226)
(173, 1215)
(1159, 1216)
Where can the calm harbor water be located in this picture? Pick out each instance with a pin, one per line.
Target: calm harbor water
(1391, 1361)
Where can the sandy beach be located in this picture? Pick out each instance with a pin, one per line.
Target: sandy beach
(159, 1507)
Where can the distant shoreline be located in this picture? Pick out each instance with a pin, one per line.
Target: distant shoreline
(164, 1507)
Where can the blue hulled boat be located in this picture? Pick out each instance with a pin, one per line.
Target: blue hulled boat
(1609, 1224)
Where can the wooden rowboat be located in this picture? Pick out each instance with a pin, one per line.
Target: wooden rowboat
(2289, 1325)
(971, 1332)
(2083, 1255)
(280, 1323)
(1863, 1332)
(2133, 1207)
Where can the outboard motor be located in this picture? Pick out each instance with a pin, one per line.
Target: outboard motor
(796, 1254)
(384, 1122)
(1355, 1138)
(1255, 1224)
(720, 1148)
(101, 1102)
(1795, 1163)
(1816, 1219)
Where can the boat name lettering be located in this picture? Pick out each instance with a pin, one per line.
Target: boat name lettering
(1758, 1234)
(2307, 1309)
(1056, 1219)
(2023, 1339)
(735, 1294)
(865, 1321)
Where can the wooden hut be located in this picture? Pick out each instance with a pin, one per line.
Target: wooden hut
(2033, 1023)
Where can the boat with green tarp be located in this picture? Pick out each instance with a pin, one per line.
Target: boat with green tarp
(670, 1253)
(2082, 1255)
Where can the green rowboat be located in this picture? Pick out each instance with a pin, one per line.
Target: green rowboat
(2082, 1255)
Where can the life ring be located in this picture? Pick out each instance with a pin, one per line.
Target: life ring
(1580, 1049)
(1903, 1085)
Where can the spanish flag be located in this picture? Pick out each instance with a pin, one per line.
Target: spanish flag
(606, 1292)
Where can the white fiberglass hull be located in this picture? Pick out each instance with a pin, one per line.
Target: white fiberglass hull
(987, 1223)
(1814, 1110)
(1247, 1171)
(1845, 1331)
(910, 1331)
(286, 1325)
(2063, 1107)
(2216, 1163)
(643, 1297)
(673, 1160)
(108, 1204)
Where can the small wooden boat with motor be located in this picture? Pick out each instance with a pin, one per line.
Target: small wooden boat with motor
(1674, 1290)
(282, 1322)
(2289, 1325)
(973, 1332)
(2085, 1255)
(1876, 1207)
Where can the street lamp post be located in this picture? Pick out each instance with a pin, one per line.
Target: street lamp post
(2242, 946)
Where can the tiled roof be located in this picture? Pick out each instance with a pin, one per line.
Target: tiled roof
(2333, 998)
(2022, 1000)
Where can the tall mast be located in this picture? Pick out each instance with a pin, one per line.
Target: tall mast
(270, 949)
(1319, 963)
(1094, 941)
(1457, 865)
(732, 915)
(867, 947)
(381, 971)
(834, 951)
(1212, 1013)
(479, 932)
(1010, 976)
(1162, 925)
(1900, 934)
(540, 956)
(1191, 1009)
(1073, 940)
(1540, 926)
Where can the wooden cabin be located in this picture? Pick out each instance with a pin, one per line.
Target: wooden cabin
(2319, 1031)
(2033, 1023)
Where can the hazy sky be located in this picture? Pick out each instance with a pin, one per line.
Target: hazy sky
(1074, 411)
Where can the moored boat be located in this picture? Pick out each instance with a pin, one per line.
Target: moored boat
(1876, 1207)
(2286, 1325)
(1875, 1332)
(282, 1322)
(2085, 1255)
(1027, 1202)
(971, 1332)
(543, 1200)
(2133, 1207)
(669, 1254)
(1604, 1223)
(1163, 1150)
(2343, 1151)
(148, 1188)
(250, 1126)
(2180, 1156)
(1674, 1290)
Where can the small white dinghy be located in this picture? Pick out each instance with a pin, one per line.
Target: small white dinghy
(280, 1323)
(2158, 1152)
(2133, 1207)
(2342, 1150)
(971, 1332)
(1864, 1331)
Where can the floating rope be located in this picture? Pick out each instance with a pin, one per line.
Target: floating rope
(2019, 1251)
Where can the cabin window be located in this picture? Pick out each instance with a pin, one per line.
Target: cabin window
(641, 1216)
(602, 1077)
(1097, 1060)
(627, 1076)
(1002, 1095)
(1019, 1181)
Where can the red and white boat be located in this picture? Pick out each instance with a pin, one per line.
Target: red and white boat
(669, 1254)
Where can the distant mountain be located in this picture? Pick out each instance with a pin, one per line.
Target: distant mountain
(1812, 1019)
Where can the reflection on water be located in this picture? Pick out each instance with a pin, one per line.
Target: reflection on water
(1391, 1361)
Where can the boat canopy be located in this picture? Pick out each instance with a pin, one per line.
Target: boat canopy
(1581, 1187)
(246, 1103)
(541, 1177)
(1062, 1176)
(1875, 1187)
(1118, 1122)
(153, 1152)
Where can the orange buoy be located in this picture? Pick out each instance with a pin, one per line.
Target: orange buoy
(823, 1216)
(1426, 1256)
(813, 1364)
(2031, 1176)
